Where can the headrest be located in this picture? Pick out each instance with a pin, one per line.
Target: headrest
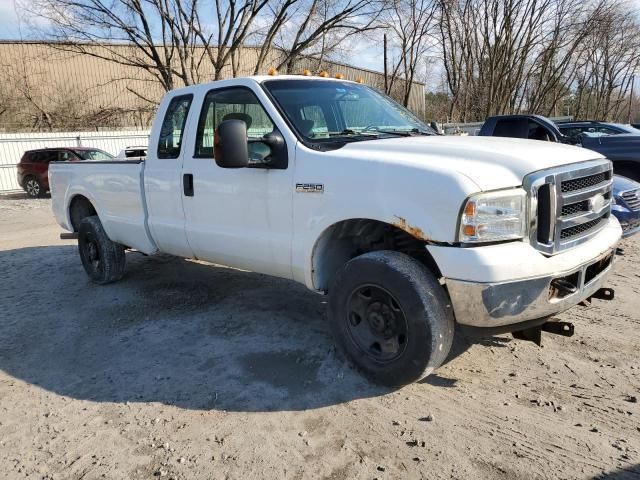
(239, 116)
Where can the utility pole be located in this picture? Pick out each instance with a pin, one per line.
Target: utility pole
(386, 81)
(633, 77)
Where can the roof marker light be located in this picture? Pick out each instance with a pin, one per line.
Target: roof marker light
(272, 71)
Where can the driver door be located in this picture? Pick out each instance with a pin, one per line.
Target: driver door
(238, 217)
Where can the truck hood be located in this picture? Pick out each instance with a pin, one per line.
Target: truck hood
(490, 162)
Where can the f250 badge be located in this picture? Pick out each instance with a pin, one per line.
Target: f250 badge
(309, 188)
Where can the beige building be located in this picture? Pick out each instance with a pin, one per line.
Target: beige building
(46, 87)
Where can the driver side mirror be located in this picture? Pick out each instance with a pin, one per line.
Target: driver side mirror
(230, 144)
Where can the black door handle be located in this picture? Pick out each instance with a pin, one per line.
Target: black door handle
(187, 184)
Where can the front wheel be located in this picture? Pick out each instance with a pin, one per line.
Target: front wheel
(390, 317)
(102, 259)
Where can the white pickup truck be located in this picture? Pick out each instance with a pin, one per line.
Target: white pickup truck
(331, 184)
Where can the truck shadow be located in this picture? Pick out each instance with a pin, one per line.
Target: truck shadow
(630, 472)
(172, 331)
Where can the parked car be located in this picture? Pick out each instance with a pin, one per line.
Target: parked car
(625, 205)
(622, 149)
(334, 185)
(34, 165)
(573, 130)
(133, 153)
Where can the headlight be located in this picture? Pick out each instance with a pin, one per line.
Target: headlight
(494, 216)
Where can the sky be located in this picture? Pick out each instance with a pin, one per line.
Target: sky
(8, 20)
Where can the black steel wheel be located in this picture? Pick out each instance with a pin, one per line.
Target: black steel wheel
(376, 323)
(102, 259)
(390, 317)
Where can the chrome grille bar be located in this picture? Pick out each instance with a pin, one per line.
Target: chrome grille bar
(555, 224)
(632, 199)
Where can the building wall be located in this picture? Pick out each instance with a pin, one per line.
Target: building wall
(45, 87)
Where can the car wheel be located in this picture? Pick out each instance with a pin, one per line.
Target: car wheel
(33, 187)
(102, 259)
(390, 317)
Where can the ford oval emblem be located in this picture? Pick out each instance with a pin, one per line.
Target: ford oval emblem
(597, 202)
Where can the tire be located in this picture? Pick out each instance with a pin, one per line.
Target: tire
(388, 298)
(33, 187)
(102, 259)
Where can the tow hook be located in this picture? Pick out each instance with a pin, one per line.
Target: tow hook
(601, 294)
(564, 286)
(534, 334)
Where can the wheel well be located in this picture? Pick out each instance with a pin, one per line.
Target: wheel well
(79, 209)
(347, 239)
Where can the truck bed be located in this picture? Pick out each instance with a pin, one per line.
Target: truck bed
(115, 188)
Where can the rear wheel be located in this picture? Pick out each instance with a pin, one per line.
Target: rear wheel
(102, 259)
(391, 317)
(33, 187)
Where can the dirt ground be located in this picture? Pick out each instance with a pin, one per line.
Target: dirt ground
(188, 371)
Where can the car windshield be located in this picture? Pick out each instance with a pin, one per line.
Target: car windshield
(329, 110)
(93, 154)
(627, 128)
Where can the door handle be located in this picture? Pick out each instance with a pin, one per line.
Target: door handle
(187, 184)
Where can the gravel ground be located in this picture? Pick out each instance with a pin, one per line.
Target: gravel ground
(188, 371)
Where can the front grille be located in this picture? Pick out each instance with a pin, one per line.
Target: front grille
(580, 229)
(568, 204)
(632, 199)
(584, 182)
(574, 208)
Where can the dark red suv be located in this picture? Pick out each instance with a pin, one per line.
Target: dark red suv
(33, 168)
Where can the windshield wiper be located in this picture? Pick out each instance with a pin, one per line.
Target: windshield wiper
(348, 131)
(400, 133)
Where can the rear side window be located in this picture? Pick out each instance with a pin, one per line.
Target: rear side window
(514, 128)
(34, 157)
(173, 127)
(42, 156)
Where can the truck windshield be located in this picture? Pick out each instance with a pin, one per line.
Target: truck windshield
(330, 111)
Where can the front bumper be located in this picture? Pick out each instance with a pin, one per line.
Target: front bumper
(497, 304)
(511, 283)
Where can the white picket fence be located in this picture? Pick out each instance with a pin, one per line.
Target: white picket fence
(13, 145)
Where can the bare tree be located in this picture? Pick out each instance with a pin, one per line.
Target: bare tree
(412, 25)
(168, 38)
(306, 27)
(611, 58)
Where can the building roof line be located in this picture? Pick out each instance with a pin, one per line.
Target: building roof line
(125, 44)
